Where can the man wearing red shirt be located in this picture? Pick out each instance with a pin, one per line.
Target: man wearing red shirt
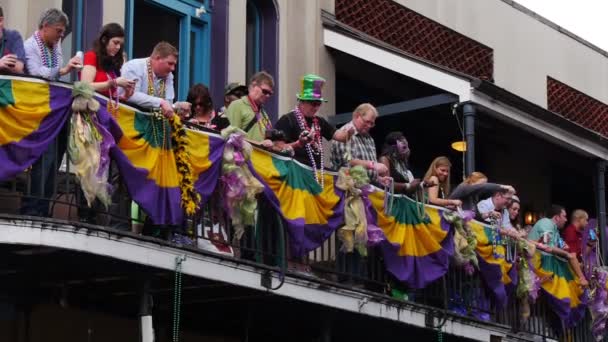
(573, 234)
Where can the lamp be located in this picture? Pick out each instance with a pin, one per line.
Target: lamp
(530, 217)
(460, 146)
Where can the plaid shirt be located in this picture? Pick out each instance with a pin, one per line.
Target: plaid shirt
(362, 147)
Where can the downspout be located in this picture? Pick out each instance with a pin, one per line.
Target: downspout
(468, 112)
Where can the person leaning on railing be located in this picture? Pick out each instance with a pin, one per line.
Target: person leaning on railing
(395, 156)
(43, 54)
(12, 54)
(438, 175)
(232, 92)
(360, 148)
(102, 70)
(153, 78)
(202, 109)
(304, 129)
(495, 207)
(44, 59)
(573, 234)
(545, 234)
(474, 187)
(102, 65)
(248, 113)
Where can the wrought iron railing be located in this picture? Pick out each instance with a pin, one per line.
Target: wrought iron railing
(267, 243)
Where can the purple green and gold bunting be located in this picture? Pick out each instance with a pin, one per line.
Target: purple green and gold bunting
(32, 113)
(419, 241)
(312, 214)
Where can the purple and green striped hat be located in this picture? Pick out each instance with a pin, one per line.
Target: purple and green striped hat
(312, 85)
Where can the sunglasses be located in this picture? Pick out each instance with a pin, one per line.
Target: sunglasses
(200, 104)
(370, 123)
(267, 92)
(314, 103)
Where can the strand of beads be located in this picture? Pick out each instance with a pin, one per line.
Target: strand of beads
(316, 143)
(159, 141)
(48, 56)
(113, 99)
(151, 90)
(495, 236)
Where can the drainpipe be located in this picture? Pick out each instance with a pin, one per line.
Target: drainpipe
(468, 112)
(601, 206)
(326, 324)
(146, 328)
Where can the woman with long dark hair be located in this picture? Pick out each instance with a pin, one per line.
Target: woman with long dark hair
(102, 65)
(202, 109)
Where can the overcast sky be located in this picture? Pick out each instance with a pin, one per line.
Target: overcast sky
(585, 18)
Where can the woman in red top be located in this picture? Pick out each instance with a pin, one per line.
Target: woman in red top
(102, 65)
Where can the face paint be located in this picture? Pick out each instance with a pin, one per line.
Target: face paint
(403, 148)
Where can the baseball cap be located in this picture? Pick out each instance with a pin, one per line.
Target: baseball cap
(234, 87)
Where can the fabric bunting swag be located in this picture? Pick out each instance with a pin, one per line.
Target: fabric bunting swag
(418, 241)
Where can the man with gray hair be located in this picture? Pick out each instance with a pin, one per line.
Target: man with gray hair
(43, 49)
(43, 58)
(361, 145)
(12, 56)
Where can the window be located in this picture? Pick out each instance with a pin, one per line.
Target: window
(262, 44)
(253, 39)
(179, 23)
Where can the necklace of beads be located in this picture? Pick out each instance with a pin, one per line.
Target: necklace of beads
(151, 90)
(496, 238)
(315, 147)
(158, 132)
(157, 115)
(48, 56)
(113, 99)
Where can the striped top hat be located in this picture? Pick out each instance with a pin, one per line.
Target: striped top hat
(312, 86)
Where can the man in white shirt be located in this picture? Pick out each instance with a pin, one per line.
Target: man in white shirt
(495, 207)
(154, 80)
(43, 54)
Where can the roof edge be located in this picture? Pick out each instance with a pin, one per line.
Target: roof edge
(551, 24)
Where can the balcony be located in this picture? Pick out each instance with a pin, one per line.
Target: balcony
(106, 260)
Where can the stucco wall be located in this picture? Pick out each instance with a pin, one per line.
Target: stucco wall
(114, 11)
(237, 23)
(525, 49)
(302, 51)
(23, 15)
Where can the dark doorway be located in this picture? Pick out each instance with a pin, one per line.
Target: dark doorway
(152, 24)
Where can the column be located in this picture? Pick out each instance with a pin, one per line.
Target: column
(468, 111)
(146, 328)
(601, 206)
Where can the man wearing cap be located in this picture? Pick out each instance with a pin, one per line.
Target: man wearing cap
(12, 54)
(248, 114)
(303, 129)
(232, 92)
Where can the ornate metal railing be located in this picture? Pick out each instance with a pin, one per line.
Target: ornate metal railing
(267, 243)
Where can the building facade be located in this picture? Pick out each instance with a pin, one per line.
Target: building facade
(527, 97)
